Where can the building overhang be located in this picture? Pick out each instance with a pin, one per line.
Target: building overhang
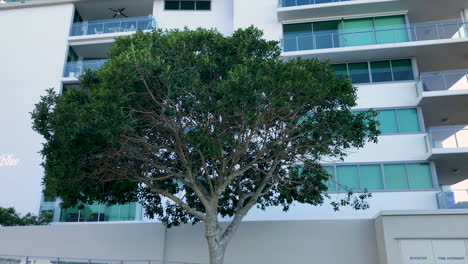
(445, 110)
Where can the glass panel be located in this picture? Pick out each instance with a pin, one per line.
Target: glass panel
(348, 176)
(127, 212)
(409, 121)
(340, 70)
(443, 139)
(69, 215)
(388, 121)
(112, 213)
(286, 3)
(391, 29)
(359, 72)
(420, 176)
(187, 5)
(331, 183)
(381, 71)
(456, 81)
(462, 137)
(402, 70)
(395, 175)
(298, 37)
(90, 213)
(203, 5)
(327, 34)
(371, 177)
(359, 32)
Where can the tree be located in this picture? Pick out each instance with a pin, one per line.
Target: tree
(9, 217)
(197, 126)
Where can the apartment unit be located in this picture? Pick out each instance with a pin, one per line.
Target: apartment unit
(408, 58)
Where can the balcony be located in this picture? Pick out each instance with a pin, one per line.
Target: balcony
(112, 26)
(454, 199)
(444, 138)
(416, 40)
(76, 68)
(442, 84)
(288, 3)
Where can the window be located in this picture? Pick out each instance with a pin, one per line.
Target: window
(99, 213)
(374, 177)
(350, 32)
(187, 5)
(398, 121)
(331, 184)
(380, 71)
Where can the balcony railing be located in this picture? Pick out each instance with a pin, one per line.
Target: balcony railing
(76, 68)
(455, 199)
(445, 81)
(288, 3)
(449, 137)
(112, 26)
(416, 32)
(6, 259)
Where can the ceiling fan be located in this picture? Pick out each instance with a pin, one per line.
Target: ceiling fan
(118, 12)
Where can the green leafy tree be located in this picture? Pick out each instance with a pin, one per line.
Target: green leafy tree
(9, 217)
(197, 126)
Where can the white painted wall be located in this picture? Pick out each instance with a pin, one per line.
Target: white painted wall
(220, 17)
(32, 53)
(380, 201)
(398, 94)
(260, 13)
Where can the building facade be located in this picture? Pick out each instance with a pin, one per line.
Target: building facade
(408, 58)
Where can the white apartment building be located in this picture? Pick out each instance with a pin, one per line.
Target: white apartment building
(408, 58)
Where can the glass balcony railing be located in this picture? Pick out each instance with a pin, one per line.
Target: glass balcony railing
(445, 81)
(75, 69)
(454, 199)
(112, 26)
(449, 137)
(288, 3)
(11, 259)
(409, 33)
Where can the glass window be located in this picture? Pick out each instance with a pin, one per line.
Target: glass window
(388, 121)
(326, 34)
(298, 37)
(187, 5)
(348, 176)
(69, 215)
(381, 71)
(409, 121)
(358, 32)
(203, 5)
(391, 29)
(395, 176)
(420, 176)
(340, 70)
(402, 70)
(331, 183)
(128, 212)
(359, 72)
(371, 177)
(172, 5)
(90, 213)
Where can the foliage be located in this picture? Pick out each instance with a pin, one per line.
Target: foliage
(195, 125)
(9, 217)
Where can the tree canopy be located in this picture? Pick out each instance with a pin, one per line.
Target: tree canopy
(9, 217)
(196, 125)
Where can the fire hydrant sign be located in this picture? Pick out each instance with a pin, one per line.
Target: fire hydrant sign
(445, 251)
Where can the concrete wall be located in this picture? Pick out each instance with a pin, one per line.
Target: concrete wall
(32, 53)
(255, 243)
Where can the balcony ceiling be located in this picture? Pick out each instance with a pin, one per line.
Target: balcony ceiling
(451, 168)
(437, 109)
(93, 51)
(99, 9)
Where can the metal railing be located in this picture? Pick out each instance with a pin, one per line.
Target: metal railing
(75, 69)
(454, 199)
(112, 26)
(416, 32)
(289, 3)
(7, 259)
(449, 137)
(443, 81)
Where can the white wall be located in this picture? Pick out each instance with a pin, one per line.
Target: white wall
(398, 94)
(219, 17)
(32, 54)
(260, 13)
(380, 201)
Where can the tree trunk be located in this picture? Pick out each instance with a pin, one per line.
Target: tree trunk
(216, 246)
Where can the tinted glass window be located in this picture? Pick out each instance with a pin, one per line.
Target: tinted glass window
(348, 176)
(388, 121)
(395, 175)
(420, 176)
(203, 5)
(381, 71)
(359, 72)
(331, 183)
(371, 177)
(402, 70)
(409, 121)
(172, 5)
(187, 5)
